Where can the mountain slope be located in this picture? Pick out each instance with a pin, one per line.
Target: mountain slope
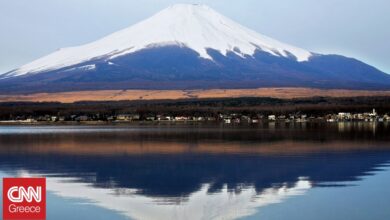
(194, 26)
(188, 47)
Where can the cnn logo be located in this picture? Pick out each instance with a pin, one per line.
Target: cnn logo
(24, 198)
(24, 195)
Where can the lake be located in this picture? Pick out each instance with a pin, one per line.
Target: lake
(206, 171)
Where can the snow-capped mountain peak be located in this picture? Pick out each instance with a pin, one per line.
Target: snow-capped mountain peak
(197, 27)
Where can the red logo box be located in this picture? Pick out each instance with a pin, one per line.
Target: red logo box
(24, 198)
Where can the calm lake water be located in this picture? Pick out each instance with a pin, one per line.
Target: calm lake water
(266, 171)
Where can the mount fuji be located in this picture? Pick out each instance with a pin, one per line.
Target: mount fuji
(189, 47)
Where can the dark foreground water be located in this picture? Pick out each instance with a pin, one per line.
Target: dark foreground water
(271, 171)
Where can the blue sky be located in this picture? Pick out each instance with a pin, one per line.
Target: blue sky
(30, 29)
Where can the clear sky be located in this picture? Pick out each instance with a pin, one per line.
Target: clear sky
(30, 29)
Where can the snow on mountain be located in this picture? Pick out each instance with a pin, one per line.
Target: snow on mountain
(197, 27)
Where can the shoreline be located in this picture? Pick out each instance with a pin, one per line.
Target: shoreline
(105, 123)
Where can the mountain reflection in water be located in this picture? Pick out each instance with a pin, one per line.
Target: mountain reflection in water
(193, 171)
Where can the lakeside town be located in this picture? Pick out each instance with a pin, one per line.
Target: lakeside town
(230, 118)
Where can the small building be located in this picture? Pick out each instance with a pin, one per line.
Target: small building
(150, 118)
(164, 118)
(272, 117)
(128, 117)
(181, 118)
(344, 116)
(199, 118)
(373, 114)
(237, 120)
(254, 121)
(211, 119)
(281, 117)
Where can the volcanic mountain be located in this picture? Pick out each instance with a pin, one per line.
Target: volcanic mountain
(189, 47)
